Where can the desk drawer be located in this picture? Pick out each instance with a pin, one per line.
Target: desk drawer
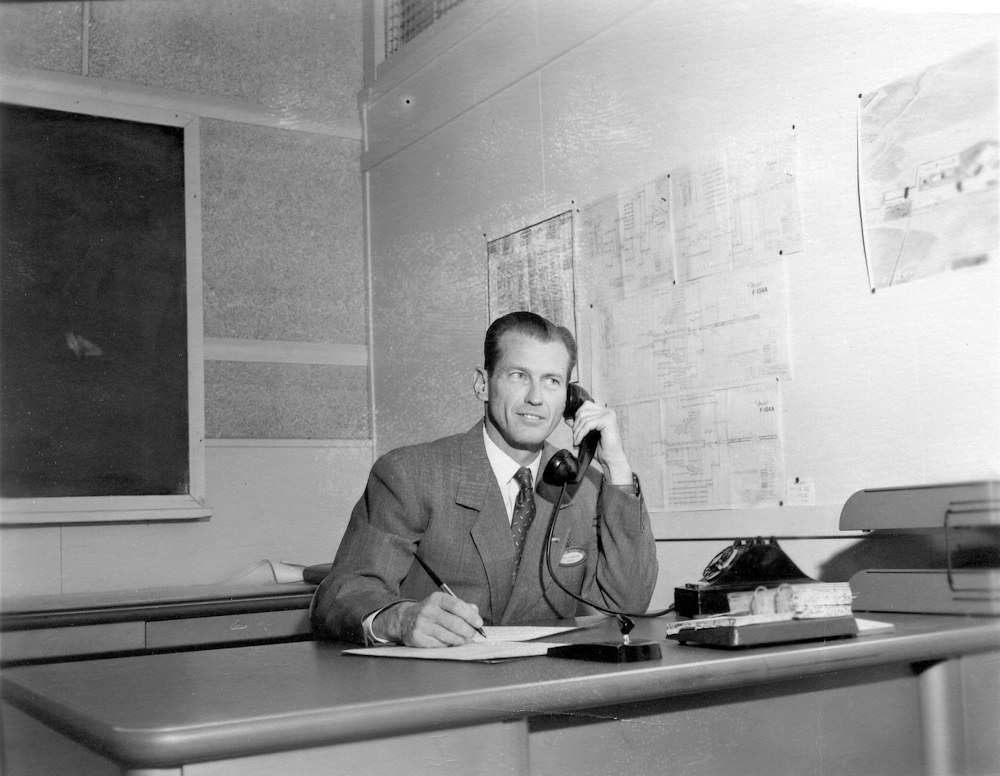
(48, 643)
(224, 629)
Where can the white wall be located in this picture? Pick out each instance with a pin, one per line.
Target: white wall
(511, 112)
(276, 500)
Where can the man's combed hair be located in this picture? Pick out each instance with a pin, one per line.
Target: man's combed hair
(531, 325)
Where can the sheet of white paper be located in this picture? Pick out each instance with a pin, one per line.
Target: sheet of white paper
(501, 642)
(524, 632)
(873, 627)
(476, 651)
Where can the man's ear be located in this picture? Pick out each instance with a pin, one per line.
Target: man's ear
(481, 384)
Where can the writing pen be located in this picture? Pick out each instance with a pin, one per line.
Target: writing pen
(441, 584)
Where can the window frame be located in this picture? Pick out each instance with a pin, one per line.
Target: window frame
(51, 92)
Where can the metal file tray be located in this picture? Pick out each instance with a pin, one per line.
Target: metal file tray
(962, 519)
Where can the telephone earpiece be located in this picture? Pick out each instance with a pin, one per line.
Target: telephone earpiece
(564, 468)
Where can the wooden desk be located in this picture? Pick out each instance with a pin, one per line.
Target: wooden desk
(909, 702)
(57, 627)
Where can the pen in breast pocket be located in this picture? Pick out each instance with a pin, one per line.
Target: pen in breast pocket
(441, 584)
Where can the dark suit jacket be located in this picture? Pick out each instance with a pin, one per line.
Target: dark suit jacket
(441, 500)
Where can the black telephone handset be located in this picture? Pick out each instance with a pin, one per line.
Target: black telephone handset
(564, 467)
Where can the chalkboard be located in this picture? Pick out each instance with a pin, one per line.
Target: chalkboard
(93, 306)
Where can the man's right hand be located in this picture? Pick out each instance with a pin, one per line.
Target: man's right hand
(438, 621)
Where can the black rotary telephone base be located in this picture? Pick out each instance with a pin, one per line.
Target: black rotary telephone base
(609, 651)
(745, 565)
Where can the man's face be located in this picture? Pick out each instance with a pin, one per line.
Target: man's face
(524, 394)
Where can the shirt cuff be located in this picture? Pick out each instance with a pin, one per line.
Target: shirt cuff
(633, 487)
(370, 638)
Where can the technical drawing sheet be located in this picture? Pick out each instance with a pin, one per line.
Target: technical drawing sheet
(645, 238)
(723, 330)
(702, 218)
(532, 269)
(686, 299)
(694, 371)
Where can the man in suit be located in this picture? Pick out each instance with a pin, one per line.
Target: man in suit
(456, 504)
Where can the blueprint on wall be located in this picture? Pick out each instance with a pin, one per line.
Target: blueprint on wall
(686, 300)
(532, 269)
(683, 303)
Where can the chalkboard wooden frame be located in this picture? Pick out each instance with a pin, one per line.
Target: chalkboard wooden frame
(131, 498)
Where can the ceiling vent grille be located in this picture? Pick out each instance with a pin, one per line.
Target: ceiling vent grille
(405, 19)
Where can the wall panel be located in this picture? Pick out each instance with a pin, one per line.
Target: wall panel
(281, 235)
(286, 401)
(47, 35)
(281, 501)
(435, 207)
(296, 57)
(30, 561)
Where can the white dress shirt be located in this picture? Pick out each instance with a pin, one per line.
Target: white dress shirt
(504, 469)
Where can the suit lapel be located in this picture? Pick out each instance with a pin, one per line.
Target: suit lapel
(478, 489)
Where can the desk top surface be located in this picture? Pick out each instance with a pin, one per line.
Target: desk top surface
(167, 709)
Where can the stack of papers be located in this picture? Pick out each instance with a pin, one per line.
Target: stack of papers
(804, 600)
(727, 621)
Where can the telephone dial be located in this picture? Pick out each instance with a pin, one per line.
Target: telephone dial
(564, 467)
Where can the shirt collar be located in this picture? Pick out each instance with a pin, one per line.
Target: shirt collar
(505, 467)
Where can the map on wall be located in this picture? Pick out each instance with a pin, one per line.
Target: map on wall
(928, 170)
(532, 269)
